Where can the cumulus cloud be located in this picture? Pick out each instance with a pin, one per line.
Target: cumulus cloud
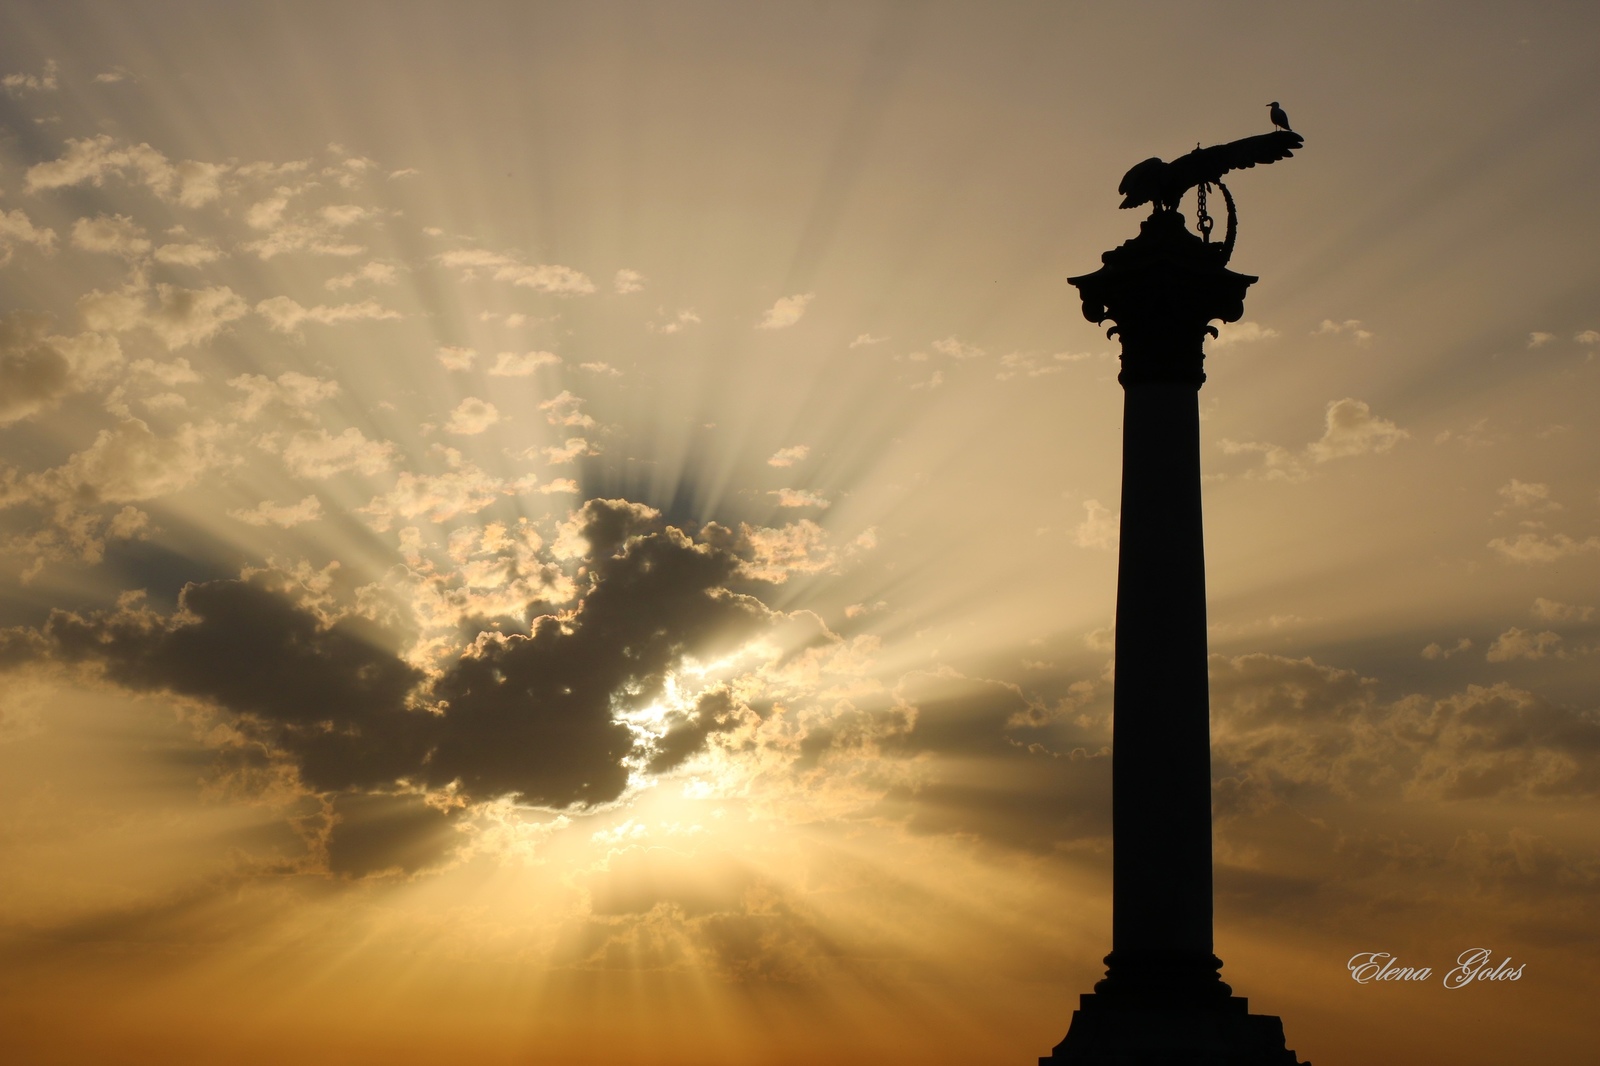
(521, 364)
(1525, 495)
(1555, 611)
(22, 82)
(190, 255)
(16, 228)
(1352, 429)
(111, 234)
(666, 323)
(1099, 528)
(628, 281)
(472, 416)
(1587, 336)
(374, 273)
(452, 358)
(1242, 333)
(1514, 643)
(1438, 651)
(786, 311)
(545, 277)
(1531, 548)
(1350, 327)
(864, 339)
(91, 160)
(288, 395)
(565, 409)
(572, 448)
(285, 315)
(789, 456)
(316, 453)
(957, 349)
(179, 317)
(799, 498)
(268, 513)
(34, 373)
(460, 489)
(1295, 724)
(1539, 338)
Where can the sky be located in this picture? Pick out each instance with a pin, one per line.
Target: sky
(585, 534)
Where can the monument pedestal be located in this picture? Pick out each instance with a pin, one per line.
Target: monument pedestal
(1106, 1033)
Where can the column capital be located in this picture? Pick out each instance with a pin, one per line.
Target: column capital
(1162, 289)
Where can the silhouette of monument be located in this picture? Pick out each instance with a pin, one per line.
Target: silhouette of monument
(1163, 1001)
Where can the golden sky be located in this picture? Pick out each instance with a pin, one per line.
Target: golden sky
(585, 533)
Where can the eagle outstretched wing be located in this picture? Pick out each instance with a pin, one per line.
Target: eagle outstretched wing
(1165, 183)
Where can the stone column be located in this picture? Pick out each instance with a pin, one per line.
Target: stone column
(1163, 1000)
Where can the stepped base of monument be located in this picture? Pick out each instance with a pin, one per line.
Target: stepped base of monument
(1225, 1033)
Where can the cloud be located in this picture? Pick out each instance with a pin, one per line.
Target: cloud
(268, 513)
(179, 317)
(111, 234)
(1244, 333)
(799, 498)
(463, 488)
(789, 456)
(1020, 364)
(957, 349)
(1436, 651)
(472, 416)
(1099, 528)
(1531, 548)
(34, 373)
(673, 323)
(1554, 611)
(864, 339)
(1350, 327)
(604, 369)
(1587, 336)
(563, 409)
(288, 395)
(573, 448)
(186, 254)
(374, 272)
(316, 453)
(285, 315)
(1538, 339)
(628, 281)
(43, 82)
(1352, 429)
(531, 715)
(1527, 495)
(785, 312)
(16, 228)
(189, 183)
(520, 365)
(456, 358)
(1293, 725)
(1516, 644)
(545, 277)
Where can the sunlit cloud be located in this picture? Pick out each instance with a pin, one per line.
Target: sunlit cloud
(786, 311)
(789, 456)
(472, 415)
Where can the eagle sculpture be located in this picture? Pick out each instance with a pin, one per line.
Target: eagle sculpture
(1163, 184)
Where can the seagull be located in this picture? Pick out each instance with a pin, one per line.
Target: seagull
(1278, 117)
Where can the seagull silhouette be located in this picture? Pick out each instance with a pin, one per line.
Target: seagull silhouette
(1279, 118)
(1163, 184)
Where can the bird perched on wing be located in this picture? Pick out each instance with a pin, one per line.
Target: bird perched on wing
(1164, 184)
(1280, 118)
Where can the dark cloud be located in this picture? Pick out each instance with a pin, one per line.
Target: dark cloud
(714, 712)
(530, 715)
(33, 374)
(1293, 725)
(371, 834)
